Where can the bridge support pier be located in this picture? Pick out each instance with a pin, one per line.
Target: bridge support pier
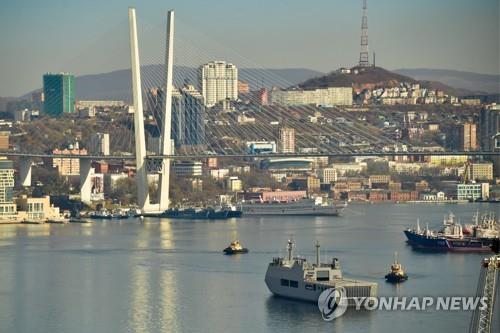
(25, 171)
(85, 180)
(166, 148)
(140, 139)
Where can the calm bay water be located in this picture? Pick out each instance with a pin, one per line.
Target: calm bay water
(170, 275)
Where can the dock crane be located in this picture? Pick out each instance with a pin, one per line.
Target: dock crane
(487, 287)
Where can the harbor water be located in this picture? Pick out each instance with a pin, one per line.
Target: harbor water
(161, 275)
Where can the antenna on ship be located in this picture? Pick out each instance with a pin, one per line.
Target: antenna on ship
(317, 253)
(418, 225)
(289, 249)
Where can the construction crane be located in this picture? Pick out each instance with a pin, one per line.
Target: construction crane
(467, 172)
(487, 288)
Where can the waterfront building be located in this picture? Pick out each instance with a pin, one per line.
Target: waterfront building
(8, 209)
(59, 94)
(36, 209)
(324, 97)
(99, 144)
(219, 81)
(473, 191)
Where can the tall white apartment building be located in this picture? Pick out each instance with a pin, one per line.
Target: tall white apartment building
(219, 81)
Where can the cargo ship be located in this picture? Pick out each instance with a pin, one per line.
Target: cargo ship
(449, 239)
(307, 206)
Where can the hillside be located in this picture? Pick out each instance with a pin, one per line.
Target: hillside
(475, 82)
(371, 78)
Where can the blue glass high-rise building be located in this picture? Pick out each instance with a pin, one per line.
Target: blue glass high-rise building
(59, 94)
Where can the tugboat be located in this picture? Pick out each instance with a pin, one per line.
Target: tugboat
(397, 274)
(235, 248)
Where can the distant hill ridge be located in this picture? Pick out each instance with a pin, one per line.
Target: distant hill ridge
(116, 84)
(371, 78)
(475, 82)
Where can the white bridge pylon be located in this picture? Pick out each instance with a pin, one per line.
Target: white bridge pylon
(143, 199)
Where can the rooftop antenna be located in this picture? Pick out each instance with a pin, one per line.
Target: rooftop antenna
(363, 55)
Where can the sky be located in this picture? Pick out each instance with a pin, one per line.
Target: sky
(91, 36)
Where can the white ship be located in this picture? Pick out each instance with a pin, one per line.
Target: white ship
(312, 207)
(294, 277)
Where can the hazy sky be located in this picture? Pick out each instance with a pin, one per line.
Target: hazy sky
(90, 36)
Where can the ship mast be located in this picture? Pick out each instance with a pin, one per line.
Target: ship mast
(317, 253)
(289, 249)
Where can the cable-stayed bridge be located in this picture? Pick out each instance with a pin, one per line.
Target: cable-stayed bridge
(222, 131)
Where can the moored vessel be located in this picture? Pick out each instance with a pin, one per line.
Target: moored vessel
(307, 206)
(197, 213)
(450, 238)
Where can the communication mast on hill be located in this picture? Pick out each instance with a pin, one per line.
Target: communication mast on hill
(364, 60)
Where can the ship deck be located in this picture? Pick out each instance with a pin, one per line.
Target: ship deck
(342, 283)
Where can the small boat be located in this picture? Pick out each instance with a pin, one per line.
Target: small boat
(101, 214)
(397, 274)
(235, 248)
